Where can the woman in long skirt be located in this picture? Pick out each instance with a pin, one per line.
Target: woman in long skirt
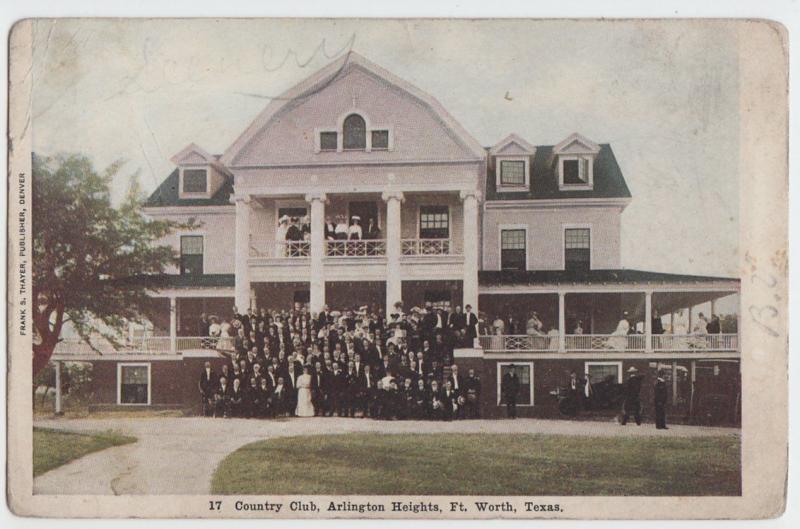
(305, 408)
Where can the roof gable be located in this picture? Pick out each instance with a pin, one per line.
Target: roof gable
(576, 144)
(328, 97)
(513, 145)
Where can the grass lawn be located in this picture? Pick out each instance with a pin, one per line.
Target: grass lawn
(53, 448)
(483, 464)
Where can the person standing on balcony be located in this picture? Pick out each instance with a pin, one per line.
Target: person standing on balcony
(341, 228)
(355, 232)
(657, 327)
(330, 229)
(373, 231)
(280, 235)
(471, 331)
(714, 326)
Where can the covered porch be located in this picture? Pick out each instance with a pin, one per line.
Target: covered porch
(609, 311)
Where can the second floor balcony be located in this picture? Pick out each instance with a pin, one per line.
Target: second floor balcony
(364, 248)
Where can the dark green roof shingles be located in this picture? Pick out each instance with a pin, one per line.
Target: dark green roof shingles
(166, 195)
(607, 178)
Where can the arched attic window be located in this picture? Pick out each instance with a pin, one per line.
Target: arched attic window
(354, 132)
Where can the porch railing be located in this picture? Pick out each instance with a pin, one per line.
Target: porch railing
(707, 342)
(282, 250)
(424, 247)
(360, 248)
(149, 345)
(610, 343)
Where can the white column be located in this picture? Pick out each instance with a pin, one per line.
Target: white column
(562, 322)
(713, 307)
(394, 285)
(242, 290)
(689, 330)
(470, 199)
(648, 321)
(173, 324)
(58, 387)
(317, 280)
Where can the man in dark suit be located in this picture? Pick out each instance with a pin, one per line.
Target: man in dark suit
(207, 386)
(632, 404)
(222, 399)
(471, 331)
(436, 402)
(510, 390)
(320, 389)
(366, 393)
(660, 402)
(450, 401)
(203, 325)
(455, 379)
(714, 326)
(472, 396)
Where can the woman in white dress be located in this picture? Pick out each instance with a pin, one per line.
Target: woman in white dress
(280, 236)
(304, 406)
(619, 338)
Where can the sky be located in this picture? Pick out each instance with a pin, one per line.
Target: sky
(664, 94)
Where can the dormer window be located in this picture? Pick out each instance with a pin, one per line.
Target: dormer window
(575, 159)
(512, 160)
(576, 171)
(354, 133)
(512, 172)
(194, 181)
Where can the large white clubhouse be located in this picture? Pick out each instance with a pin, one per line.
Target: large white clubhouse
(508, 229)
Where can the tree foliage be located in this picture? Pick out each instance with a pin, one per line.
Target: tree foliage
(86, 252)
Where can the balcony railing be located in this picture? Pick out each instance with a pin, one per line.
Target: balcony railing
(604, 342)
(610, 343)
(360, 248)
(282, 250)
(425, 247)
(150, 345)
(707, 342)
(507, 342)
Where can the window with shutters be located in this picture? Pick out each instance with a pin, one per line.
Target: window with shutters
(191, 255)
(513, 249)
(577, 248)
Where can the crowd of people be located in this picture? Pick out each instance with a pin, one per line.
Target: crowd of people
(346, 363)
(294, 234)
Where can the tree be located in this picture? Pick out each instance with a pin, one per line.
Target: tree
(91, 260)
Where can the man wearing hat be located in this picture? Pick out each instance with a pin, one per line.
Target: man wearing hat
(632, 404)
(510, 390)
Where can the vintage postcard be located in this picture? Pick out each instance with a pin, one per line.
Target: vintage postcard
(397, 268)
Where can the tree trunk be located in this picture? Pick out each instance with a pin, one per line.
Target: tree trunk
(41, 355)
